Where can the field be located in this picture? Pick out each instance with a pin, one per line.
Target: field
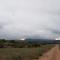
(24, 53)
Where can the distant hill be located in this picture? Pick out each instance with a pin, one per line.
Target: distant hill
(43, 41)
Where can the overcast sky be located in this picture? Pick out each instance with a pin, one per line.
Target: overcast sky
(29, 18)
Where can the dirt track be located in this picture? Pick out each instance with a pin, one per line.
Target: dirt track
(53, 54)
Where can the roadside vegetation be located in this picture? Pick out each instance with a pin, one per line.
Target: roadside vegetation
(20, 50)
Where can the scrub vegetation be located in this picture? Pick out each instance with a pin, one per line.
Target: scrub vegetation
(20, 50)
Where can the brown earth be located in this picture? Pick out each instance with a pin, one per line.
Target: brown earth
(53, 54)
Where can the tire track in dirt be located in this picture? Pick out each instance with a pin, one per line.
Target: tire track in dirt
(53, 54)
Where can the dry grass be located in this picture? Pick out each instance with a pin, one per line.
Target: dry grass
(23, 53)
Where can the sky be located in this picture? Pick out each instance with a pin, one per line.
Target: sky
(29, 18)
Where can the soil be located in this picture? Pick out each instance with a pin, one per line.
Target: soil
(53, 54)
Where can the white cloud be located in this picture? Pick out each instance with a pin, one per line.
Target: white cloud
(29, 17)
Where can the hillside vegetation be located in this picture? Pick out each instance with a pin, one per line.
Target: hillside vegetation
(21, 50)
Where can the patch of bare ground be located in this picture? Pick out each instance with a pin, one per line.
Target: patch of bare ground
(53, 54)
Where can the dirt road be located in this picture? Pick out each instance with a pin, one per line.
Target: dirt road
(53, 54)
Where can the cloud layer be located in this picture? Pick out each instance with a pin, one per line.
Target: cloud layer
(26, 18)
